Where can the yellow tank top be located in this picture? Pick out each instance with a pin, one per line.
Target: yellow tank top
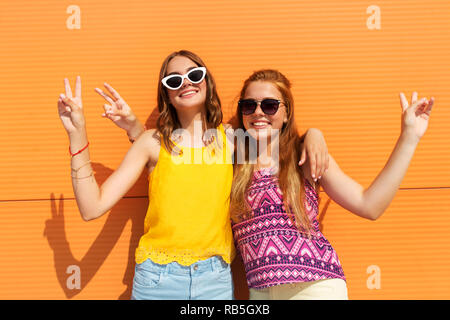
(188, 215)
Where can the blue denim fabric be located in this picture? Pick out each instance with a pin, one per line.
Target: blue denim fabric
(204, 280)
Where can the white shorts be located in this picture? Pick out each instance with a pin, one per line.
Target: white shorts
(327, 289)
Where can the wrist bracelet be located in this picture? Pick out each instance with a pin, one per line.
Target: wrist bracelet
(76, 170)
(90, 175)
(133, 140)
(79, 151)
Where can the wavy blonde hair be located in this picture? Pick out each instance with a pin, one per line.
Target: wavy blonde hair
(290, 175)
(168, 120)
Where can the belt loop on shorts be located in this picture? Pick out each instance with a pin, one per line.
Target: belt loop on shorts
(218, 263)
(215, 263)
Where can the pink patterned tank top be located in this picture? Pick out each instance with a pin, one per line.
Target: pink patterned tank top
(273, 250)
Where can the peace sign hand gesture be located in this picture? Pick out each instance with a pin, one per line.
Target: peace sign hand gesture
(117, 110)
(415, 117)
(70, 108)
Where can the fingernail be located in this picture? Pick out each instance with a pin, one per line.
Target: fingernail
(62, 96)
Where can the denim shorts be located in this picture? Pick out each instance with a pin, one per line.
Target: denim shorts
(204, 280)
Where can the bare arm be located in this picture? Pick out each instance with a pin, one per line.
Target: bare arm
(93, 201)
(370, 203)
(315, 148)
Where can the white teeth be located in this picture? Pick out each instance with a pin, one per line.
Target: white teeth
(189, 92)
(259, 123)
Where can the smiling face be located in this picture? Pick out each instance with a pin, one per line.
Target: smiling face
(189, 95)
(261, 123)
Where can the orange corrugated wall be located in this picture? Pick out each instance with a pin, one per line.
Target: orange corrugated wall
(346, 78)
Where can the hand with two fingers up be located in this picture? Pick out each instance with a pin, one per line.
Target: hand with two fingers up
(117, 110)
(70, 108)
(120, 113)
(415, 116)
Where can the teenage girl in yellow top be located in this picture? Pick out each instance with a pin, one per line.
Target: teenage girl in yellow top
(187, 246)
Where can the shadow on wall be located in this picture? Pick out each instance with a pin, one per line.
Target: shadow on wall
(150, 123)
(102, 246)
(105, 241)
(110, 234)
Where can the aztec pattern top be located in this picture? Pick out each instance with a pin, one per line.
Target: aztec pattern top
(272, 248)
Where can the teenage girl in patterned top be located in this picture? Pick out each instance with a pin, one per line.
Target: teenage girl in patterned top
(187, 246)
(274, 210)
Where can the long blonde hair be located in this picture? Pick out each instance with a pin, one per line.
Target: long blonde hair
(168, 120)
(290, 175)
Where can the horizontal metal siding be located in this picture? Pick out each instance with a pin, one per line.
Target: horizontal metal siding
(346, 81)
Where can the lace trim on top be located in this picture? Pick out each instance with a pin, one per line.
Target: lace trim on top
(184, 257)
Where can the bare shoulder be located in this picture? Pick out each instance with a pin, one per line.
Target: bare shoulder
(151, 141)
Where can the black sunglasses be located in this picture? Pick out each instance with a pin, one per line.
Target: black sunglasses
(268, 106)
